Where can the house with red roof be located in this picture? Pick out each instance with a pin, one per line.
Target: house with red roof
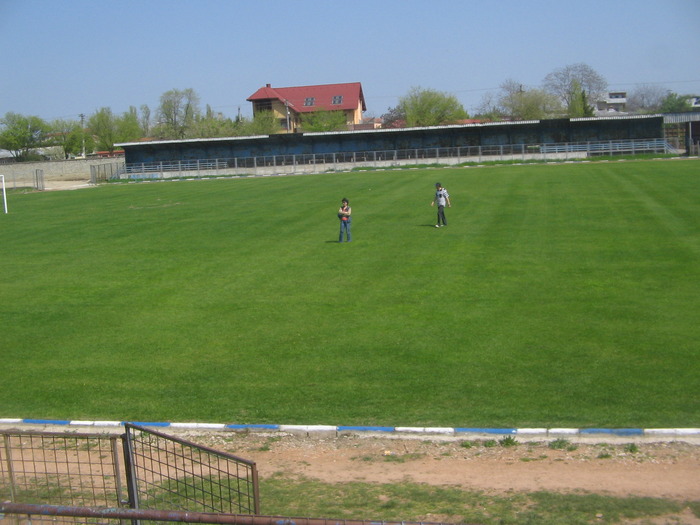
(289, 104)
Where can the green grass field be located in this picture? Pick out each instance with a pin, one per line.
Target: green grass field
(559, 295)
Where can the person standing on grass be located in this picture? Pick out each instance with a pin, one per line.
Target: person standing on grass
(441, 198)
(345, 216)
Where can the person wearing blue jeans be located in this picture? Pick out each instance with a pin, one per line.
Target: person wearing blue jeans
(345, 216)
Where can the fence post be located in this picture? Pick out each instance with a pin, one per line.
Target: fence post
(39, 179)
(10, 470)
(114, 440)
(131, 488)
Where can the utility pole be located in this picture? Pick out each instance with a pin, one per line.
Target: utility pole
(82, 130)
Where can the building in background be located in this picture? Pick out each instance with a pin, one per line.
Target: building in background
(289, 104)
(615, 102)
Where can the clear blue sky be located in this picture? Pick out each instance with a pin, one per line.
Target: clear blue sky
(60, 58)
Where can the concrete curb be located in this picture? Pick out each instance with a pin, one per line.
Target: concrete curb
(341, 429)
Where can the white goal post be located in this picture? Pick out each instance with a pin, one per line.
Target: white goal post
(4, 195)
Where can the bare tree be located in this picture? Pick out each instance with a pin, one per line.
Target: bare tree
(562, 82)
(646, 98)
(489, 107)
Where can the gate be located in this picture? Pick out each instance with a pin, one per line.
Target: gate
(166, 473)
(140, 469)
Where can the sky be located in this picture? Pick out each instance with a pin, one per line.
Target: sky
(59, 59)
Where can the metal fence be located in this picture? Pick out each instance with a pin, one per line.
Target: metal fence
(345, 161)
(137, 516)
(104, 172)
(60, 468)
(171, 473)
(138, 470)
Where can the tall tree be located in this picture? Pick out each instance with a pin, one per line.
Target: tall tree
(103, 126)
(128, 127)
(68, 136)
(145, 121)
(428, 107)
(21, 135)
(177, 113)
(579, 105)
(566, 81)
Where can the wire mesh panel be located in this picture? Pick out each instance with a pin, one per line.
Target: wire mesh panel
(165, 472)
(60, 468)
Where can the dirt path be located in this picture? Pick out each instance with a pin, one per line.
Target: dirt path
(664, 470)
(56, 185)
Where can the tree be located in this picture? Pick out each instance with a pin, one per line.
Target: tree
(675, 103)
(103, 126)
(128, 126)
(394, 118)
(427, 107)
(565, 83)
(579, 105)
(22, 135)
(177, 113)
(646, 98)
(214, 125)
(489, 107)
(145, 121)
(527, 104)
(68, 136)
(264, 123)
(324, 120)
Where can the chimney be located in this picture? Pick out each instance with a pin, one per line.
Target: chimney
(268, 85)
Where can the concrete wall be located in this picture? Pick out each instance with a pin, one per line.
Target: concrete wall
(22, 174)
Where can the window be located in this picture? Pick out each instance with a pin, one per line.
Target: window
(309, 101)
(338, 99)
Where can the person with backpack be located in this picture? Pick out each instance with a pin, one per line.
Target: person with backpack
(441, 198)
(345, 216)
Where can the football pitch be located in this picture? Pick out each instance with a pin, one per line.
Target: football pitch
(557, 296)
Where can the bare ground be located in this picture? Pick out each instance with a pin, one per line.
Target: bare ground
(668, 470)
(603, 464)
(55, 185)
(663, 469)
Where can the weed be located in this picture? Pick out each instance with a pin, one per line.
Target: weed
(562, 444)
(631, 448)
(508, 441)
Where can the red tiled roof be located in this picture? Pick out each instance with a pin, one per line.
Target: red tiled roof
(323, 95)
